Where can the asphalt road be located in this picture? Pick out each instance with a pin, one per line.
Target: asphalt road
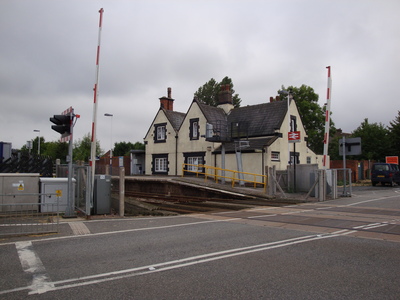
(348, 248)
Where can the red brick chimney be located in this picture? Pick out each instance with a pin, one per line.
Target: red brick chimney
(225, 95)
(225, 98)
(167, 102)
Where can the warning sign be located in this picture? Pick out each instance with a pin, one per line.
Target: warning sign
(20, 185)
(59, 193)
(392, 160)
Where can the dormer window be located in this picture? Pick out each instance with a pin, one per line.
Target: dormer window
(194, 129)
(160, 133)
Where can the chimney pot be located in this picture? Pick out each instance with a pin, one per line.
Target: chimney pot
(169, 92)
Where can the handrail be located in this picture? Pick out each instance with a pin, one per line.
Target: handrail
(204, 170)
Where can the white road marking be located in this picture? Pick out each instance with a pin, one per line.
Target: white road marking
(175, 264)
(128, 230)
(32, 265)
(262, 216)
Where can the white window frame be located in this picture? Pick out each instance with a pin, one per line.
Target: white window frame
(275, 156)
(194, 160)
(161, 133)
(195, 130)
(160, 164)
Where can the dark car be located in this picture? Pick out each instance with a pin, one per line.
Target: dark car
(385, 173)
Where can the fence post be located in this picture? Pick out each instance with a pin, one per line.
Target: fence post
(322, 185)
(271, 180)
(121, 191)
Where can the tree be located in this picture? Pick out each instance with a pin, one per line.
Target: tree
(82, 148)
(394, 136)
(123, 148)
(35, 146)
(312, 115)
(375, 140)
(208, 93)
(56, 150)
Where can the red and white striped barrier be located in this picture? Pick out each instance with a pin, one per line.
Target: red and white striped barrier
(327, 118)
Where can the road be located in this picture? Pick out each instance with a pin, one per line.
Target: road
(348, 248)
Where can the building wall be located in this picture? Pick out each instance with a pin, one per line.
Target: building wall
(200, 145)
(184, 146)
(167, 147)
(282, 146)
(356, 166)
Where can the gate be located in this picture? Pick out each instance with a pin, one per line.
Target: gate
(82, 175)
(83, 199)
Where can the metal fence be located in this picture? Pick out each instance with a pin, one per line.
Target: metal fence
(28, 218)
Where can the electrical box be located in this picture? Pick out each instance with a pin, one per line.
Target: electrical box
(53, 190)
(19, 188)
(102, 194)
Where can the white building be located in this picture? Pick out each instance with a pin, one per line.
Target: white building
(176, 138)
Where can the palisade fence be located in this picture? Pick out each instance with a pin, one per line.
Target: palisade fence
(24, 163)
(28, 218)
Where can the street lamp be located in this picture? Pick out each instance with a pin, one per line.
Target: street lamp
(111, 154)
(37, 130)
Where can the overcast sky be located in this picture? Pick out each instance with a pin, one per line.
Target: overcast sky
(48, 59)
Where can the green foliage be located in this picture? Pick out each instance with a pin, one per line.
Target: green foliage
(312, 115)
(333, 149)
(57, 150)
(123, 148)
(375, 141)
(208, 93)
(82, 149)
(394, 136)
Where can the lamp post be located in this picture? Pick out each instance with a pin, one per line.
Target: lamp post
(37, 130)
(111, 154)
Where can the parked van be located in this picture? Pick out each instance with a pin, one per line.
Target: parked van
(385, 173)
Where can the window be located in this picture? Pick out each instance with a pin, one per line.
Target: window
(308, 159)
(160, 133)
(194, 162)
(160, 164)
(294, 158)
(194, 129)
(293, 123)
(275, 156)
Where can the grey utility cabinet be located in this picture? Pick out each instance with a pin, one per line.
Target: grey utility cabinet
(102, 194)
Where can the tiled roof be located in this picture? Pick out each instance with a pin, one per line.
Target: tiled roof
(212, 113)
(217, 117)
(258, 120)
(176, 118)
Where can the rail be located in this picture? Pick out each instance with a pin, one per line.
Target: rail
(217, 174)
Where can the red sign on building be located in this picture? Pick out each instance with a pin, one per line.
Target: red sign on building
(294, 136)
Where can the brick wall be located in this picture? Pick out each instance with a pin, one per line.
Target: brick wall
(354, 166)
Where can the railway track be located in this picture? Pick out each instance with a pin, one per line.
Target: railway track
(182, 204)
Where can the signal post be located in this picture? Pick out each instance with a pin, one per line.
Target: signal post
(64, 124)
